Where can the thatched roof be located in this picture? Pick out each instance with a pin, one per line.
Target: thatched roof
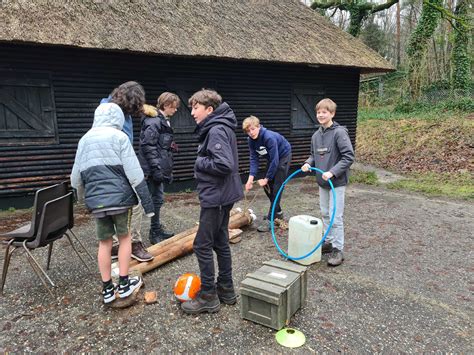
(283, 31)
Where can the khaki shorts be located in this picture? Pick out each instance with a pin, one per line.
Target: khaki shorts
(118, 224)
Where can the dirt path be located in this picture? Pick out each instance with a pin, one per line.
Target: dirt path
(406, 286)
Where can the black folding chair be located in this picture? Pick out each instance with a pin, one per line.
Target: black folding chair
(42, 196)
(54, 223)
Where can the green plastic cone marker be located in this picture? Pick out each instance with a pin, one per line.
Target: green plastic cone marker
(289, 337)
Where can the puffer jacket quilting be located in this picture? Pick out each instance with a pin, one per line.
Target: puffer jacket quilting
(106, 170)
(155, 152)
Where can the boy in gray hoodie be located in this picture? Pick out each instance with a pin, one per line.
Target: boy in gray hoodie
(331, 152)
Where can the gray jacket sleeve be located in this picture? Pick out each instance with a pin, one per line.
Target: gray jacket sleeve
(135, 176)
(310, 160)
(344, 145)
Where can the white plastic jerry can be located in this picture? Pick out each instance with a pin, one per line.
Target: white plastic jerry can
(305, 232)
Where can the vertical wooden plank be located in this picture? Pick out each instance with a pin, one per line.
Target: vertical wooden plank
(3, 119)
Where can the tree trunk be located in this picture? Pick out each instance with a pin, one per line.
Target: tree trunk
(418, 44)
(398, 35)
(461, 62)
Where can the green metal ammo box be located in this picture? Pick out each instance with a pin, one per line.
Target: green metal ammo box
(273, 293)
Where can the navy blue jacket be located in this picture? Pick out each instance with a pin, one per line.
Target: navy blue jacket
(217, 165)
(127, 125)
(271, 145)
(155, 153)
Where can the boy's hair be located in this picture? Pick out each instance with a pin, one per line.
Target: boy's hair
(167, 98)
(130, 96)
(327, 104)
(250, 121)
(206, 97)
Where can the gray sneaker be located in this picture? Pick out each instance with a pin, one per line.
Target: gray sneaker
(202, 303)
(326, 248)
(336, 258)
(265, 226)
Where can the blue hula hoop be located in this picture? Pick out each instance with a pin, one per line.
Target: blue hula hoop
(272, 224)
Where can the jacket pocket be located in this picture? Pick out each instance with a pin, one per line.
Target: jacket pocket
(165, 141)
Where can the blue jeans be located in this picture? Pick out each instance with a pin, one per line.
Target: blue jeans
(157, 196)
(336, 234)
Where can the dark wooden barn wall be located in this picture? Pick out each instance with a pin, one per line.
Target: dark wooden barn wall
(81, 77)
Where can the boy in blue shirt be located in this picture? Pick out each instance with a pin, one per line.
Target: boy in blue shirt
(276, 149)
(332, 152)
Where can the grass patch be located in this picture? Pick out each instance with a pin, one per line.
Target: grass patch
(425, 112)
(459, 185)
(363, 177)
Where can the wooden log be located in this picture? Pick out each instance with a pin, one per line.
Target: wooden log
(182, 244)
(178, 249)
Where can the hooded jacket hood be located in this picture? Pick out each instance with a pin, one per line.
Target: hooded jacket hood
(223, 114)
(109, 115)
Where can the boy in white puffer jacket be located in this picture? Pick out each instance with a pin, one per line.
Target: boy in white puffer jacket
(107, 174)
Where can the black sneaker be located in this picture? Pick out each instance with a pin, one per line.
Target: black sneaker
(163, 234)
(127, 289)
(326, 248)
(114, 252)
(202, 303)
(108, 293)
(279, 215)
(336, 258)
(226, 295)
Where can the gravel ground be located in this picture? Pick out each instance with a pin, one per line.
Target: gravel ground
(405, 286)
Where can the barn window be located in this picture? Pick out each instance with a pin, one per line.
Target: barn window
(27, 112)
(303, 101)
(182, 121)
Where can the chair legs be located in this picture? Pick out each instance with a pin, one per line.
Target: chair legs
(38, 270)
(6, 264)
(34, 265)
(79, 255)
(38, 266)
(50, 250)
(82, 245)
(43, 276)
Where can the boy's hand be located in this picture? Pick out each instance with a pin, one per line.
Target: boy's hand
(263, 182)
(305, 168)
(327, 175)
(248, 186)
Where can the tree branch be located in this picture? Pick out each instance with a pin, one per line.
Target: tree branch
(450, 16)
(326, 5)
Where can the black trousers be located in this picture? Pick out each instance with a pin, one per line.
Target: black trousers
(157, 195)
(213, 234)
(275, 184)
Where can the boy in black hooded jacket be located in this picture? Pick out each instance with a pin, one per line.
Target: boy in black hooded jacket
(156, 156)
(219, 186)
